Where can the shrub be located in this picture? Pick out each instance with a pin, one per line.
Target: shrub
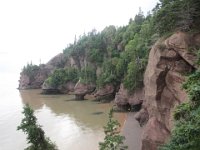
(61, 76)
(186, 133)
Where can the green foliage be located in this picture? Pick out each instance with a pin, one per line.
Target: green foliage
(171, 15)
(36, 136)
(113, 49)
(133, 78)
(61, 76)
(30, 70)
(95, 56)
(198, 57)
(113, 140)
(194, 94)
(186, 133)
(192, 80)
(87, 75)
(182, 111)
(108, 74)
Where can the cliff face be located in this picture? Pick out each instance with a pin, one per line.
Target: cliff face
(35, 80)
(125, 99)
(169, 60)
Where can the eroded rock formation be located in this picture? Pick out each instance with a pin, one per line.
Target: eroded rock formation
(35, 80)
(62, 89)
(125, 99)
(105, 93)
(169, 60)
(81, 89)
(38, 75)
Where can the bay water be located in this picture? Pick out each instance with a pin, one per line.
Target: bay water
(70, 124)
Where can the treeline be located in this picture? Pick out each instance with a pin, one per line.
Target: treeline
(171, 15)
(120, 52)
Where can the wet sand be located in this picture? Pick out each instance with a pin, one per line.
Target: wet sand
(132, 132)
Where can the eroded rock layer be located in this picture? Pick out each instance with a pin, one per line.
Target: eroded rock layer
(169, 60)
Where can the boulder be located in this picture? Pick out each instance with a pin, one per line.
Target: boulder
(81, 89)
(142, 116)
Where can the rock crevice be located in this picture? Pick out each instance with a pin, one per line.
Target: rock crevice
(169, 61)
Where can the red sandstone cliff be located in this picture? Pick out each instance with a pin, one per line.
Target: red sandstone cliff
(169, 60)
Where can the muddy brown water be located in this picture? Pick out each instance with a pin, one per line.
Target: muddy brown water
(70, 124)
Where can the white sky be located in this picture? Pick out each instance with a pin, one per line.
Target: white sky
(31, 30)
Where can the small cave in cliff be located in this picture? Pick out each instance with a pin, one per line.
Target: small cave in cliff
(128, 108)
(135, 108)
(51, 92)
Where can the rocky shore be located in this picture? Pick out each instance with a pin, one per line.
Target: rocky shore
(169, 60)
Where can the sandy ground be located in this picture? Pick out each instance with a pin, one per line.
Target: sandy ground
(132, 132)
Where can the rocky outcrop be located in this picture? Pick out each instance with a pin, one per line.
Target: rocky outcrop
(126, 100)
(81, 89)
(142, 116)
(105, 93)
(168, 61)
(154, 134)
(62, 89)
(57, 61)
(35, 79)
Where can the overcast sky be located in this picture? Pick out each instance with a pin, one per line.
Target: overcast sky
(34, 30)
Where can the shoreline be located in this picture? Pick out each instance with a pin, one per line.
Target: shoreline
(132, 132)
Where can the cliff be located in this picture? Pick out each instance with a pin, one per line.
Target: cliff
(169, 61)
(32, 76)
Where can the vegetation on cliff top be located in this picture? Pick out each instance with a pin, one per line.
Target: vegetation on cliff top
(122, 52)
(30, 70)
(118, 51)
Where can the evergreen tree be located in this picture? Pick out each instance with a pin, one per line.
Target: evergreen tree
(36, 136)
(113, 140)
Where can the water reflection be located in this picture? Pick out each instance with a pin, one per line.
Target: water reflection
(71, 124)
(31, 97)
(82, 111)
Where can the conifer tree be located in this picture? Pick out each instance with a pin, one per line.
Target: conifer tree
(36, 136)
(113, 140)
